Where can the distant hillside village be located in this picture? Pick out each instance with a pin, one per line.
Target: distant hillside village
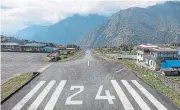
(12, 44)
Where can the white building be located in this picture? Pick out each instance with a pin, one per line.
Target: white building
(142, 50)
(10, 47)
(152, 55)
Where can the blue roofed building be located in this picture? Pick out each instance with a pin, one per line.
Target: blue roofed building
(171, 67)
(50, 49)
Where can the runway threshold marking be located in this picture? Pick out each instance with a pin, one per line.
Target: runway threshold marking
(25, 99)
(158, 105)
(136, 96)
(52, 100)
(51, 103)
(42, 95)
(127, 105)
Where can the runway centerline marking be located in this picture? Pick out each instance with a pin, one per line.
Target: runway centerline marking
(88, 63)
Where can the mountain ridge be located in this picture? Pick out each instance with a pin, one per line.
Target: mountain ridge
(138, 25)
(66, 31)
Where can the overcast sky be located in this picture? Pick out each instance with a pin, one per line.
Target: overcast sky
(18, 14)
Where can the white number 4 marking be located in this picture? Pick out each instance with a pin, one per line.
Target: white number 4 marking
(108, 96)
(77, 102)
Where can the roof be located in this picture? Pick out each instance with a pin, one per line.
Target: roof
(8, 43)
(70, 48)
(160, 49)
(171, 64)
(34, 45)
(147, 46)
(50, 48)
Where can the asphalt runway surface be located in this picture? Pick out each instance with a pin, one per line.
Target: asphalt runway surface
(15, 63)
(87, 83)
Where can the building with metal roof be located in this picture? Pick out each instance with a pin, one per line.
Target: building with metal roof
(34, 47)
(10, 47)
(10, 44)
(171, 67)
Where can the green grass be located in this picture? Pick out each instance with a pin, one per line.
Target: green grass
(153, 81)
(45, 59)
(175, 78)
(65, 57)
(147, 76)
(71, 56)
(13, 84)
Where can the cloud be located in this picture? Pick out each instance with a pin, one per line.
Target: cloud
(19, 14)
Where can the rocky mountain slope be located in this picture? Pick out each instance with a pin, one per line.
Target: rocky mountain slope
(156, 24)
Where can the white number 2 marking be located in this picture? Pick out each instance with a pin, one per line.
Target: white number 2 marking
(75, 102)
(108, 96)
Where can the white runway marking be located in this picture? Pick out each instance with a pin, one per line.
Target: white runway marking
(127, 105)
(108, 96)
(41, 96)
(119, 71)
(69, 100)
(135, 95)
(88, 63)
(158, 105)
(52, 100)
(23, 101)
(51, 103)
(44, 68)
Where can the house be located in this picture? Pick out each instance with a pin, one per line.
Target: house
(10, 47)
(4, 38)
(158, 55)
(34, 47)
(171, 67)
(71, 50)
(142, 51)
(152, 55)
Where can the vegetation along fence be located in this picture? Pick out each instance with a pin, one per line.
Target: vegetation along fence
(168, 81)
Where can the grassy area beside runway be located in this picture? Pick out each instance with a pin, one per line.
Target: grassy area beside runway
(71, 56)
(147, 76)
(64, 58)
(13, 84)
